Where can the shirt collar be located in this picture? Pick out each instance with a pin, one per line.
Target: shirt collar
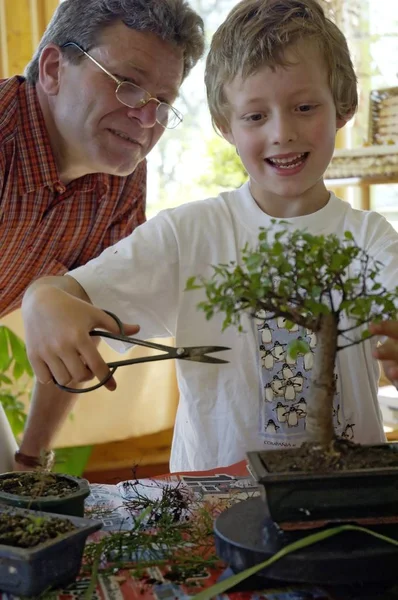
(36, 164)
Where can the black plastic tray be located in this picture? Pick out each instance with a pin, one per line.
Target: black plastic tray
(68, 505)
(55, 563)
(345, 495)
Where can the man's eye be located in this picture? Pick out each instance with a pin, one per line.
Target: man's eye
(124, 79)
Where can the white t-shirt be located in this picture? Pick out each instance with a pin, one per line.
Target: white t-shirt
(226, 410)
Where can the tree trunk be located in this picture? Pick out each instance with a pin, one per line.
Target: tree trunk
(319, 420)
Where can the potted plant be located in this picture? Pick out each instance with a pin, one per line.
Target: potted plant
(48, 492)
(39, 551)
(312, 282)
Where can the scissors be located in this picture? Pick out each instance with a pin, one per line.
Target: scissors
(194, 353)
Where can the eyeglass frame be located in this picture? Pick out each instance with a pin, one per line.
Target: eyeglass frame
(120, 82)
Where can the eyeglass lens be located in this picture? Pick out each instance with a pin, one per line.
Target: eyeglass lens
(133, 96)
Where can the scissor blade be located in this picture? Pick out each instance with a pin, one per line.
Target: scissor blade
(211, 359)
(199, 353)
(204, 358)
(205, 349)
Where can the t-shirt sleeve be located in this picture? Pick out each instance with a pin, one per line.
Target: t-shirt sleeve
(384, 248)
(138, 278)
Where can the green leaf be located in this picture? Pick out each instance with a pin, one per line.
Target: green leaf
(254, 261)
(296, 347)
(348, 236)
(17, 348)
(5, 379)
(18, 371)
(4, 351)
(191, 284)
(278, 248)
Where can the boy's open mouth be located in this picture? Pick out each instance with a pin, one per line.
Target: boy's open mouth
(289, 162)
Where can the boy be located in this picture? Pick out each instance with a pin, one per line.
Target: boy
(280, 83)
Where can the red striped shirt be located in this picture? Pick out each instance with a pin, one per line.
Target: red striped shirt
(47, 228)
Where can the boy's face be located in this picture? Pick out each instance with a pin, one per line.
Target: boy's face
(283, 124)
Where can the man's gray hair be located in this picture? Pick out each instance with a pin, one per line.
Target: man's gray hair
(82, 22)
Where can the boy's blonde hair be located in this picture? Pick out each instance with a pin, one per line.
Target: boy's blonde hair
(257, 33)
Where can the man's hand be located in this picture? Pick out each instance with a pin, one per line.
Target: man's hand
(387, 352)
(58, 317)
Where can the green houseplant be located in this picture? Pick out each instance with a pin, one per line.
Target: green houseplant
(16, 377)
(16, 380)
(312, 282)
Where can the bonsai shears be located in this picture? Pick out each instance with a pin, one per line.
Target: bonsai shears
(193, 353)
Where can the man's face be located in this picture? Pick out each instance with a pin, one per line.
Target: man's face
(93, 129)
(283, 124)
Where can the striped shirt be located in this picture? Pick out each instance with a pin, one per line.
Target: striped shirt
(46, 227)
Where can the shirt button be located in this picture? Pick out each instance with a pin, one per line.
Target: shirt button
(59, 187)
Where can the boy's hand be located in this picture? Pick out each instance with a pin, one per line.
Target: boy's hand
(388, 352)
(57, 326)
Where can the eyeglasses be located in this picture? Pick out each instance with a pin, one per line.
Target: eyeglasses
(133, 96)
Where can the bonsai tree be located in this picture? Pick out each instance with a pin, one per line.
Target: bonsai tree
(311, 281)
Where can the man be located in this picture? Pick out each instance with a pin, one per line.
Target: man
(75, 132)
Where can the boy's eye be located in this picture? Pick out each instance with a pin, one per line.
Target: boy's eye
(254, 117)
(306, 107)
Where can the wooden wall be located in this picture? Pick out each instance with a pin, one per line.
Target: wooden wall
(22, 23)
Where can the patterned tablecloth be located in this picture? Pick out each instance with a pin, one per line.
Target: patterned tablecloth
(215, 490)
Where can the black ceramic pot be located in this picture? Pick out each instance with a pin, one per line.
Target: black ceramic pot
(54, 563)
(72, 504)
(340, 495)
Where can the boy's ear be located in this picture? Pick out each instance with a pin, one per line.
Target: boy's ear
(226, 133)
(341, 121)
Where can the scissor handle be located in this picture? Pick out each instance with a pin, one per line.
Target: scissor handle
(122, 337)
(191, 353)
(89, 389)
(112, 371)
(115, 318)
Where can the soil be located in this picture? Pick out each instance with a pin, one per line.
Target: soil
(37, 485)
(26, 532)
(342, 455)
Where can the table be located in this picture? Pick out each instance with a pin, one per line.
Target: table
(214, 489)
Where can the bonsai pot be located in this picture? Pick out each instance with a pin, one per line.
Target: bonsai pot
(340, 495)
(71, 502)
(53, 563)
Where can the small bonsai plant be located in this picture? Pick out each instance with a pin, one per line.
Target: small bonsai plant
(312, 281)
(31, 541)
(48, 492)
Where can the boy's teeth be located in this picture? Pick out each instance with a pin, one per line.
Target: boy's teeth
(287, 162)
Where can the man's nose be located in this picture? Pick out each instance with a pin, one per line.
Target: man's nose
(284, 129)
(146, 114)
